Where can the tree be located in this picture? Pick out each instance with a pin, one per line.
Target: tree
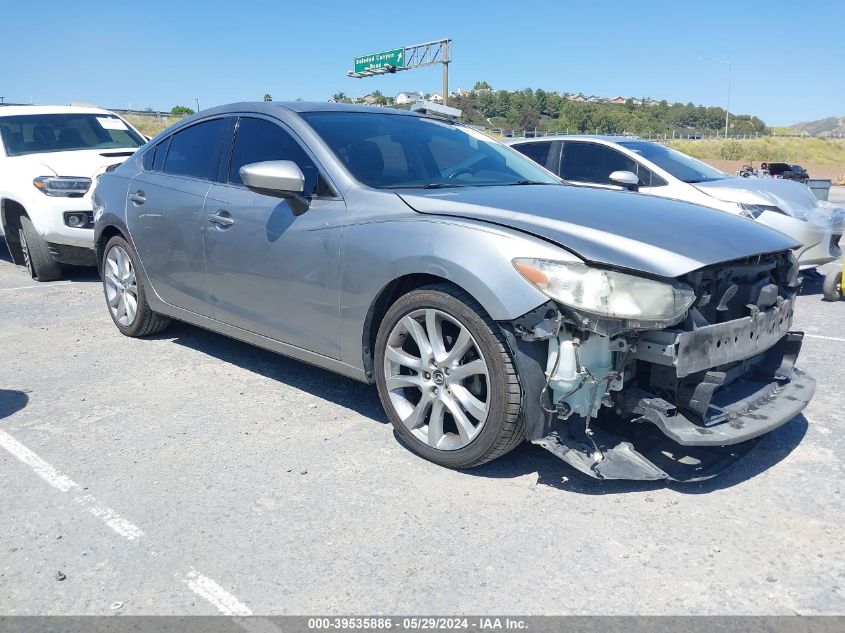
(378, 97)
(340, 97)
(486, 103)
(541, 101)
(181, 110)
(529, 118)
(268, 96)
(481, 85)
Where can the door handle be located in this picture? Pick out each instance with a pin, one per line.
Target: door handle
(222, 221)
(138, 197)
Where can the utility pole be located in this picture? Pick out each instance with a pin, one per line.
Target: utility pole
(446, 60)
(198, 104)
(728, 107)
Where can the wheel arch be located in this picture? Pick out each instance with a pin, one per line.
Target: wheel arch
(386, 297)
(105, 235)
(11, 212)
(472, 257)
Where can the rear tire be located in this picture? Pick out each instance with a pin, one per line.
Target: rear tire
(124, 292)
(832, 287)
(36, 253)
(454, 398)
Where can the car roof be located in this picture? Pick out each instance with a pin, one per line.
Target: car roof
(46, 109)
(327, 106)
(607, 138)
(301, 107)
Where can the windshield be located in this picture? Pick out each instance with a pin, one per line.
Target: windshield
(38, 133)
(681, 166)
(393, 151)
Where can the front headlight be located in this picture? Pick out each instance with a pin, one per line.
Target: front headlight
(641, 302)
(62, 186)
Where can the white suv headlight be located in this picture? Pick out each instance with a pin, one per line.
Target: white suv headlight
(640, 301)
(62, 186)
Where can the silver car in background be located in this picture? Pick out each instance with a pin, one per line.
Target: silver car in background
(633, 337)
(616, 162)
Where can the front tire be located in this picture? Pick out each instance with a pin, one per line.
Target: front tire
(446, 378)
(36, 253)
(124, 291)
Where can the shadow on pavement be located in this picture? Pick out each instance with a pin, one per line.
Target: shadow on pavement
(5, 255)
(811, 286)
(12, 401)
(346, 392)
(553, 472)
(77, 274)
(81, 274)
(525, 459)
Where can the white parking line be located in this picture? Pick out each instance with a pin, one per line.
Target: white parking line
(127, 530)
(202, 585)
(206, 588)
(825, 338)
(41, 468)
(50, 285)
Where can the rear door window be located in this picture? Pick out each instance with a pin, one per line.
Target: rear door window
(538, 152)
(195, 151)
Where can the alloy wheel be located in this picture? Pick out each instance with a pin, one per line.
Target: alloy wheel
(437, 379)
(121, 286)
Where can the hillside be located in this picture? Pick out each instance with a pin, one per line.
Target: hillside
(816, 151)
(829, 126)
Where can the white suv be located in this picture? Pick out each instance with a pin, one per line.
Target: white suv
(50, 157)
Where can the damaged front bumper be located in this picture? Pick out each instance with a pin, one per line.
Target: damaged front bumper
(677, 405)
(673, 446)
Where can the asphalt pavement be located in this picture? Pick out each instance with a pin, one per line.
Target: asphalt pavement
(193, 474)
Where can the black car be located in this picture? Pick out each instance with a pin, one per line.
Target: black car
(789, 172)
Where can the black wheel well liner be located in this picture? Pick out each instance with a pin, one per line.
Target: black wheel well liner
(11, 212)
(386, 297)
(108, 232)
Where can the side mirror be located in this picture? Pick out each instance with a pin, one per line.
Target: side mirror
(281, 178)
(625, 179)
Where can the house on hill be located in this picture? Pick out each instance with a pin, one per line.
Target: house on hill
(404, 98)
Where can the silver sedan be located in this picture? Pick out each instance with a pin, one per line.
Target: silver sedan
(488, 302)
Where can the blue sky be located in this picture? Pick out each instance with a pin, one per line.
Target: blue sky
(787, 57)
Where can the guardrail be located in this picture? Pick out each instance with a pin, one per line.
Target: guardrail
(649, 136)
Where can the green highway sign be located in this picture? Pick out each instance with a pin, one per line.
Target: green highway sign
(380, 60)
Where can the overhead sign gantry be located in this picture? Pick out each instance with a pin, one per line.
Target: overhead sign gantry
(406, 58)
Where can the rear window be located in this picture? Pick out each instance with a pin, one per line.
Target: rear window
(195, 150)
(44, 133)
(538, 152)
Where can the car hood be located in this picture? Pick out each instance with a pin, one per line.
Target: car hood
(88, 162)
(789, 196)
(642, 233)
